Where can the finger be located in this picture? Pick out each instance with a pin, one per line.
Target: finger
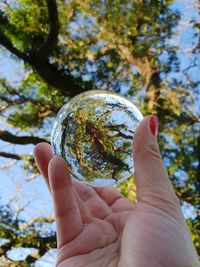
(67, 213)
(43, 154)
(152, 180)
(84, 210)
(108, 194)
(97, 206)
(114, 199)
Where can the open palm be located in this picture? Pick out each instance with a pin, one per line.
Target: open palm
(95, 228)
(90, 222)
(99, 227)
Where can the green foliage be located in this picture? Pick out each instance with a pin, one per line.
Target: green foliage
(26, 23)
(128, 189)
(17, 233)
(194, 226)
(29, 164)
(117, 45)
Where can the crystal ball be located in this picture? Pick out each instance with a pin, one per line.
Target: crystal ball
(93, 132)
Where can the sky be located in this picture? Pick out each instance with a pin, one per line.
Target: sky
(34, 194)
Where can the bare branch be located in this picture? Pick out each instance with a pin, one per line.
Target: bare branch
(32, 177)
(8, 165)
(52, 38)
(193, 65)
(21, 140)
(10, 155)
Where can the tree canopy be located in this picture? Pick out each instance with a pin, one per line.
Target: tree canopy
(68, 47)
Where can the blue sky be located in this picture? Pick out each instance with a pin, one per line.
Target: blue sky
(13, 186)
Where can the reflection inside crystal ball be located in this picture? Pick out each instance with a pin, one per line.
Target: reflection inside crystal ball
(94, 132)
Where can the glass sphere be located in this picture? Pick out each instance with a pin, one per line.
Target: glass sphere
(93, 132)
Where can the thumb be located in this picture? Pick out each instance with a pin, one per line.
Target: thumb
(152, 181)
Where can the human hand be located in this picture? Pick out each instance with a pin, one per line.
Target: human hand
(99, 227)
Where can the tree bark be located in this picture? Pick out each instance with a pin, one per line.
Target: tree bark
(10, 155)
(21, 140)
(58, 79)
(51, 40)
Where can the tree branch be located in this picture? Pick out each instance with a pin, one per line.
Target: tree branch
(4, 41)
(10, 102)
(56, 78)
(41, 243)
(8, 165)
(21, 99)
(10, 155)
(21, 140)
(51, 40)
(25, 235)
(38, 59)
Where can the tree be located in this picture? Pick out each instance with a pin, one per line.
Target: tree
(68, 47)
(37, 234)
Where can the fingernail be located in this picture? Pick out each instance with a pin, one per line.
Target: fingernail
(154, 125)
